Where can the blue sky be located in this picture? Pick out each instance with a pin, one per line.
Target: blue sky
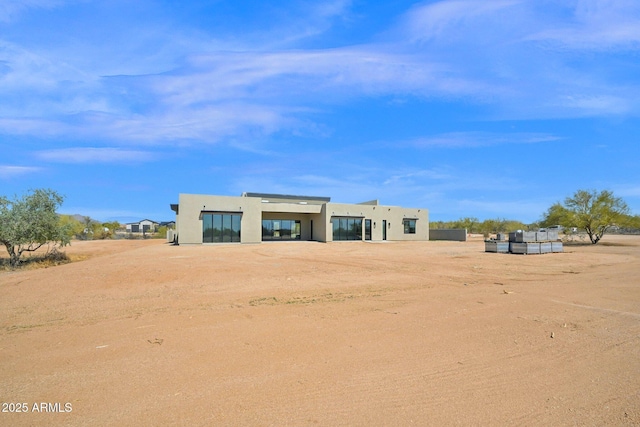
(484, 108)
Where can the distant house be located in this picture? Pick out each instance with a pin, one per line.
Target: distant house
(169, 224)
(144, 226)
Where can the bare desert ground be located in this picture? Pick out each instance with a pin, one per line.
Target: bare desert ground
(142, 333)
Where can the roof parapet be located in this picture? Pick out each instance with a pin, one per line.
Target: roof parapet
(287, 197)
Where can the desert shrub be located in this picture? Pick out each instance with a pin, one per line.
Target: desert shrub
(50, 258)
(161, 233)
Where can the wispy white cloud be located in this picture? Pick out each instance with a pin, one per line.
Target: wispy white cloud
(312, 19)
(24, 68)
(95, 155)
(596, 24)
(12, 9)
(8, 171)
(209, 124)
(572, 24)
(391, 185)
(411, 177)
(442, 19)
(498, 53)
(33, 126)
(526, 57)
(322, 74)
(353, 189)
(480, 139)
(225, 95)
(596, 104)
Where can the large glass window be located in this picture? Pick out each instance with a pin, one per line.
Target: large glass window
(280, 229)
(409, 226)
(285, 229)
(226, 228)
(235, 228)
(207, 228)
(216, 233)
(221, 227)
(346, 228)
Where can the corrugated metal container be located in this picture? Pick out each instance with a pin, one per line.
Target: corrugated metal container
(556, 247)
(545, 247)
(542, 236)
(553, 235)
(496, 246)
(524, 248)
(501, 237)
(522, 236)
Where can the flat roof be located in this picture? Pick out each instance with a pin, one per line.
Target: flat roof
(287, 197)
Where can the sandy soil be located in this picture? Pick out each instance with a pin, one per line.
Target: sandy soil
(433, 333)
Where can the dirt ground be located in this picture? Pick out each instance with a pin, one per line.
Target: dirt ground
(142, 333)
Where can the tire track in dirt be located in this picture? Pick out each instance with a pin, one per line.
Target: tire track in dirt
(599, 309)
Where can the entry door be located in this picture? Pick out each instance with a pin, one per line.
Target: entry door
(367, 229)
(384, 229)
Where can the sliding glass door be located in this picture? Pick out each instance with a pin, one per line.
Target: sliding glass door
(345, 228)
(221, 227)
(280, 229)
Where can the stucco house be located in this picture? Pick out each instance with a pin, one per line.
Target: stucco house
(260, 217)
(144, 226)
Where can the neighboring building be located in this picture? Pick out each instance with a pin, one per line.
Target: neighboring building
(144, 226)
(257, 217)
(169, 224)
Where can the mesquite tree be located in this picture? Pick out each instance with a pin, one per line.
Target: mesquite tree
(594, 212)
(29, 222)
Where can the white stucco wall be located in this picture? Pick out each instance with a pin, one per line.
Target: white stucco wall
(253, 210)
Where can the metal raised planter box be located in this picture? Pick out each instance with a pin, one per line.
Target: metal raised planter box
(542, 236)
(556, 247)
(524, 247)
(496, 246)
(522, 236)
(545, 247)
